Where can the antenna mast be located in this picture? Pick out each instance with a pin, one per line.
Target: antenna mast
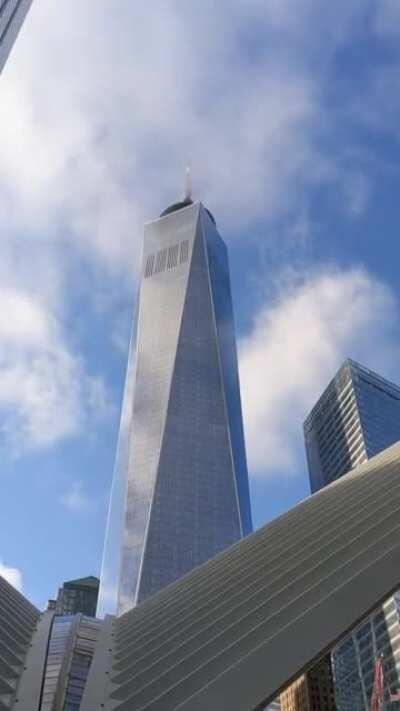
(188, 181)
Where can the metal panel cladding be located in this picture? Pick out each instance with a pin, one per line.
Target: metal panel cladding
(181, 471)
(18, 620)
(12, 15)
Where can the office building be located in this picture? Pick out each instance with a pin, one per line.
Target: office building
(357, 416)
(296, 696)
(77, 596)
(313, 691)
(180, 492)
(44, 657)
(12, 16)
(71, 645)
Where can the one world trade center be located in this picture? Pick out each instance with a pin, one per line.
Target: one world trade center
(180, 493)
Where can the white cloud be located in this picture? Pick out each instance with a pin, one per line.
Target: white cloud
(45, 392)
(294, 349)
(99, 116)
(97, 120)
(75, 499)
(12, 575)
(22, 320)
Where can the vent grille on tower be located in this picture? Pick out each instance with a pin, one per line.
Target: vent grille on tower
(166, 259)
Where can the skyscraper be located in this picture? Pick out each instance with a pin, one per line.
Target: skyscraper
(78, 596)
(356, 417)
(12, 16)
(180, 483)
(70, 647)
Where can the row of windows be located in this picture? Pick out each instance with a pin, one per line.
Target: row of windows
(337, 411)
(342, 428)
(342, 446)
(329, 399)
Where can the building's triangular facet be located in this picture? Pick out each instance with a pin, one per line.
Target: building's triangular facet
(184, 463)
(195, 509)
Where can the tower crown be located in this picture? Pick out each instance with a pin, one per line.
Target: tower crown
(177, 206)
(180, 205)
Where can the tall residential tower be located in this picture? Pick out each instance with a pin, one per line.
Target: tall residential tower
(180, 484)
(12, 16)
(356, 417)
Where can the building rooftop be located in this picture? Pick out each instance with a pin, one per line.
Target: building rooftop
(89, 582)
(346, 371)
(181, 205)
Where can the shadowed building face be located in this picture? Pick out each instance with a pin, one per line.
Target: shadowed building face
(181, 466)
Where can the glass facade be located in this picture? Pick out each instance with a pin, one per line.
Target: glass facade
(78, 596)
(60, 640)
(70, 652)
(181, 467)
(12, 15)
(357, 416)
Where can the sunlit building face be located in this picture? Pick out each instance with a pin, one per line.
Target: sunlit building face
(181, 484)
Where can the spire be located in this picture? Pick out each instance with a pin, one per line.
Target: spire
(187, 195)
(188, 181)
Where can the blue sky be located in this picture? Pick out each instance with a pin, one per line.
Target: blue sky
(289, 112)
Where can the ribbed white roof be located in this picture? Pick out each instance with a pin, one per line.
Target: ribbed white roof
(233, 633)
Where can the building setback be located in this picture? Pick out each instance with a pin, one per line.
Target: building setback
(12, 16)
(357, 417)
(181, 466)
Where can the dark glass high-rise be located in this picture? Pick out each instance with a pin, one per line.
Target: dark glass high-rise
(78, 595)
(180, 492)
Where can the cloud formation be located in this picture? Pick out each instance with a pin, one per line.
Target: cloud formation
(75, 499)
(45, 392)
(12, 575)
(97, 120)
(99, 117)
(294, 349)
